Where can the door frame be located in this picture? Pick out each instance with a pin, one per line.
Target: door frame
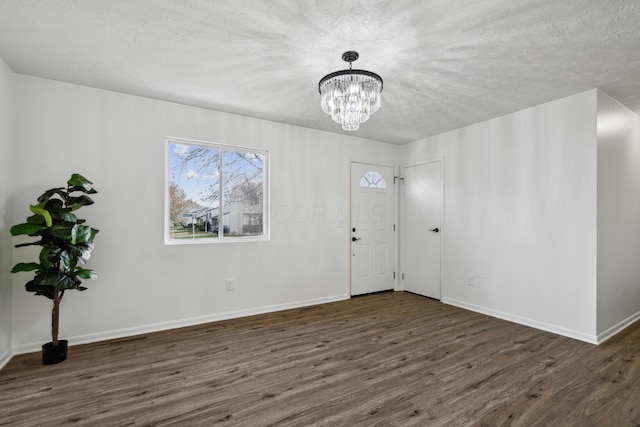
(443, 229)
(396, 233)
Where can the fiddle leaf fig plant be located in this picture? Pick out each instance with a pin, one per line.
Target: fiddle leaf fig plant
(66, 244)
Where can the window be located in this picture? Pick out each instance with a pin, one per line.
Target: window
(214, 193)
(372, 179)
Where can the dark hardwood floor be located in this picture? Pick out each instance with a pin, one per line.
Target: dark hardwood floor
(390, 359)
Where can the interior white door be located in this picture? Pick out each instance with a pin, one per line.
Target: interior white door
(421, 228)
(372, 250)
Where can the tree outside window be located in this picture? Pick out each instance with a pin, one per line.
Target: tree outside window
(215, 192)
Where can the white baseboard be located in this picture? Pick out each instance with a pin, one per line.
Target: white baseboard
(591, 339)
(126, 332)
(603, 336)
(174, 324)
(4, 359)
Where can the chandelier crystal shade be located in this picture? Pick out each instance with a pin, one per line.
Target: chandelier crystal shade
(350, 96)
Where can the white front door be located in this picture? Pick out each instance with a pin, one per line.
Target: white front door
(372, 231)
(421, 228)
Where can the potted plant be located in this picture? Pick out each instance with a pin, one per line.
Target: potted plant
(66, 242)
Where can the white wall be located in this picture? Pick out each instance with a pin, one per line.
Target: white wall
(520, 215)
(618, 216)
(7, 88)
(118, 142)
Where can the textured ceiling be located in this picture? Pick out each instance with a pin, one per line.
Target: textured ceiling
(445, 63)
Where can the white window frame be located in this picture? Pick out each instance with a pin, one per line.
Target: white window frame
(265, 236)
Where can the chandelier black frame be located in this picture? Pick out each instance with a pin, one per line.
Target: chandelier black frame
(349, 57)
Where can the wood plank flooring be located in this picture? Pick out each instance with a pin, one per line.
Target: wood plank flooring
(389, 359)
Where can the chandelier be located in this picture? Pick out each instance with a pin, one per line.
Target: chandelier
(350, 96)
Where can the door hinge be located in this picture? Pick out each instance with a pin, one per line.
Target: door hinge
(394, 274)
(402, 276)
(394, 227)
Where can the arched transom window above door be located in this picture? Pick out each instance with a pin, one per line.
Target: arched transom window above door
(372, 179)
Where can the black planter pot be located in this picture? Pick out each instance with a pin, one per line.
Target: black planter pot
(52, 355)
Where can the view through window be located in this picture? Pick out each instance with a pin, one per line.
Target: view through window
(215, 192)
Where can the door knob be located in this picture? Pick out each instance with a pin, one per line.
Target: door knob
(435, 230)
(353, 239)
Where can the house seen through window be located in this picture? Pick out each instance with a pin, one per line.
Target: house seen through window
(215, 193)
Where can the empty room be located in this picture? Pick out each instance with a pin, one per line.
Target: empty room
(320, 213)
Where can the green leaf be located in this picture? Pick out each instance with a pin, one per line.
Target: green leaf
(74, 233)
(68, 282)
(84, 190)
(76, 203)
(69, 217)
(25, 266)
(63, 231)
(26, 228)
(56, 279)
(47, 291)
(54, 251)
(84, 234)
(30, 286)
(66, 261)
(54, 204)
(39, 210)
(56, 208)
(36, 219)
(82, 251)
(85, 273)
(47, 194)
(78, 180)
(45, 257)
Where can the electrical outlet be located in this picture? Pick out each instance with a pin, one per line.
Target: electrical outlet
(470, 281)
(230, 284)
